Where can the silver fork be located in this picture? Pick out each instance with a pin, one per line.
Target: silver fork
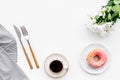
(26, 36)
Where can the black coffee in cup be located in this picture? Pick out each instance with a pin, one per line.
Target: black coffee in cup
(56, 66)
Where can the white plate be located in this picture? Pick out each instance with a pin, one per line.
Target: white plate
(85, 66)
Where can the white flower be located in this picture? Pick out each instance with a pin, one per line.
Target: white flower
(107, 27)
(101, 30)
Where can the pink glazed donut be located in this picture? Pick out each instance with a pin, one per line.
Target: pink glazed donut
(96, 58)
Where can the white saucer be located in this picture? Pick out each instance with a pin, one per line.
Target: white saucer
(50, 59)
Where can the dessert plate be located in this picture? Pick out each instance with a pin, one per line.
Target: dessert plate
(83, 62)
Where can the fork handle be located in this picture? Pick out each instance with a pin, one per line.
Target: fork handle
(33, 55)
(26, 55)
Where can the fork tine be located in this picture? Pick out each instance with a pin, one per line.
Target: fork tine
(24, 31)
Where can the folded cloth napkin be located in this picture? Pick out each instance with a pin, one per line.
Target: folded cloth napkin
(8, 43)
(9, 70)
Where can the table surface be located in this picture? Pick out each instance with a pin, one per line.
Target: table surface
(58, 26)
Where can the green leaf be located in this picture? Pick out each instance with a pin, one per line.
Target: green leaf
(116, 1)
(108, 8)
(109, 16)
(99, 19)
(115, 14)
(119, 15)
(116, 8)
(97, 16)
(110, 3)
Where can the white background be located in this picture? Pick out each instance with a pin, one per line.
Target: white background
(58, 26)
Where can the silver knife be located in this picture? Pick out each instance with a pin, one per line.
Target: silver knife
(19, 37)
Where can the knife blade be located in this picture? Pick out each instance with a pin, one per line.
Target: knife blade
(17, 32)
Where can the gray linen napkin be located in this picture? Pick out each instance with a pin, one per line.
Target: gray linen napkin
(9, 70)
(8, 43)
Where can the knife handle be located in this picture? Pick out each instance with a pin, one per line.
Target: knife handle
(33, 55)
(28, 59)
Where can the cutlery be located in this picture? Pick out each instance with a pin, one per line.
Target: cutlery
(19, 37)
(26, 36)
